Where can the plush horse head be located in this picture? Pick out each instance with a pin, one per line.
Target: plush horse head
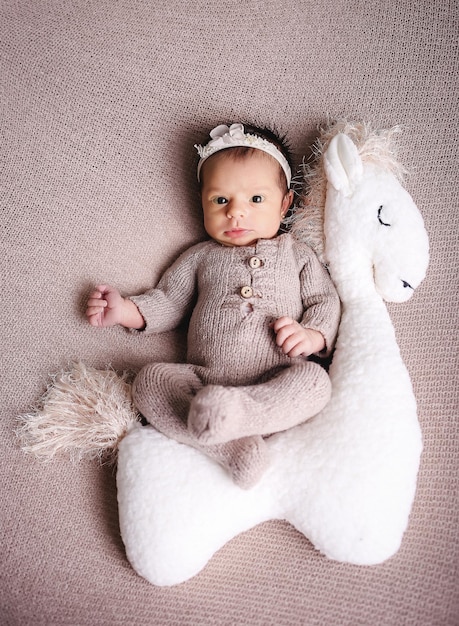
(359, 218)
(378, 221)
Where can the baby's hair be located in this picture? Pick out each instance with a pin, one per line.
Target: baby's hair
(271, 135)
(274, 137)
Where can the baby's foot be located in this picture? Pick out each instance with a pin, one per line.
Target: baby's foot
(248, 461)
(216, 415)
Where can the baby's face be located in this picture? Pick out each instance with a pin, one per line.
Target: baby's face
(242, 199)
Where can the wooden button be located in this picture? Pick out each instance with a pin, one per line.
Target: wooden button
(246, 292)
(255, 262)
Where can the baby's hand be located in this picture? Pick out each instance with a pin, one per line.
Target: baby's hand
(295, 340)
(105, 307)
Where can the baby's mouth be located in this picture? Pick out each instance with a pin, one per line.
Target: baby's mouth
(236, 232)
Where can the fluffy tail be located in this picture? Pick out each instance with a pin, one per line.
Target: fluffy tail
(84, 413)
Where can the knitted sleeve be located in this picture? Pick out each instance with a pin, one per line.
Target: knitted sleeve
(320, 300)
(166, 306)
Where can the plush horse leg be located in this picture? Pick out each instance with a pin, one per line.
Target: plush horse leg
(162, 393)
(293, 395)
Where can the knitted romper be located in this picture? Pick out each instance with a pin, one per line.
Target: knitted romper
(237, 384)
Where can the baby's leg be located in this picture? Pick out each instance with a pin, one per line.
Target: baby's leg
(162, 393)
(296, 393)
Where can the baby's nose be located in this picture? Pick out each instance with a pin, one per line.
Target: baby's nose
(236, 209)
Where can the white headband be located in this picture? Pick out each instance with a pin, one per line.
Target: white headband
(224, 137)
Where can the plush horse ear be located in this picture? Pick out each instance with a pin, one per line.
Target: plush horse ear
(342, 163)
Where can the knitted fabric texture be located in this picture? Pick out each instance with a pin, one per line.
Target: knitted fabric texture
(240, 291)
(227, 423)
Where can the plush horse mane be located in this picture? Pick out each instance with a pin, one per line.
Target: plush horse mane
(374, 146)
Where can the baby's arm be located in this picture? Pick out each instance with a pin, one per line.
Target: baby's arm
(322, 308)
(106, 307)
(295, 340)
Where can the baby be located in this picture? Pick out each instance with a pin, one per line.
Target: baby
(260, 304)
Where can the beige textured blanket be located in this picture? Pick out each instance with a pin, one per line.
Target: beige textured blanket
(101, 103)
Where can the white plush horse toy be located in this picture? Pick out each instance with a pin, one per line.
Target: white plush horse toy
(346, 479)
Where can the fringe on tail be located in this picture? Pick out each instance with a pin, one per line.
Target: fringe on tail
(84, 413)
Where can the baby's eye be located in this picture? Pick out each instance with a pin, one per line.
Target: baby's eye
(220, 200)
(257, 199)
